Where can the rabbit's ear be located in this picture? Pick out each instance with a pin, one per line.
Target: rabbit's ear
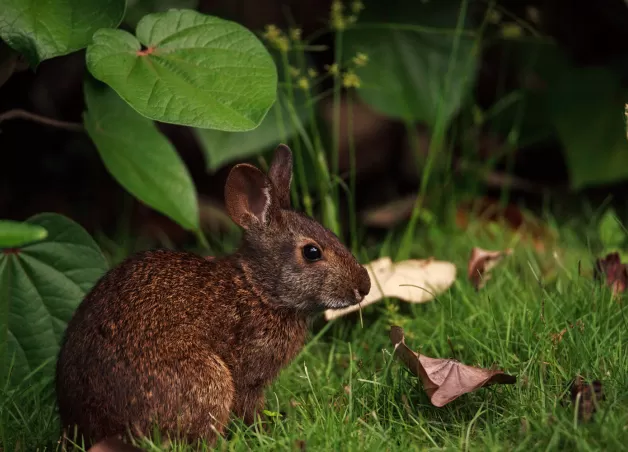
(249, 196)
(280, 174)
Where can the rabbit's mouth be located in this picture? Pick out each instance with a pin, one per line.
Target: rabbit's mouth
(339, 304)
(345, 302)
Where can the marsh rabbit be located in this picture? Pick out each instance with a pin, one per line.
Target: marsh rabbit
(174, 340)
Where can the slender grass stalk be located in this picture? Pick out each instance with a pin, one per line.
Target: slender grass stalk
(352, 179)
(300, 165)
(201, 239)
(294, 194)
(436, 141)
(330, 215)
(336, 110)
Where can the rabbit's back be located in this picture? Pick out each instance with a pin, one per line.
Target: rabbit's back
(145, 343)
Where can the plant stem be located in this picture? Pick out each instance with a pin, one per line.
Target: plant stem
(18, 113)
(202, 240)
(336, 116)
(294, 195)
(320, 165)
(352, 177)
(436, 141)
(307, 200)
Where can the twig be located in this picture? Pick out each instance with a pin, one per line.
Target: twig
(18, 113)
(451, 346)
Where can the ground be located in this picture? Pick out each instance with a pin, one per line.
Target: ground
(540, 317)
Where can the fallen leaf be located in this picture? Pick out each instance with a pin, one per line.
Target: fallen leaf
(413, 281)
(444, 380)
(613, 272)
(481, 263)
(586, 397)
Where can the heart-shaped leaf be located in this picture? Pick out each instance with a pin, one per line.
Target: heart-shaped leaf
(414, 74)
(140, 158)
(587, 107)
(223, 147)
(194, 70)
(537, 64)
(14, 233)
(47, 29)
(279, 125)
(41, 285)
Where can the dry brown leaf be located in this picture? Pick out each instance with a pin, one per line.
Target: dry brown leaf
(413, 281)
(481, 263)
(444, 380)
(612, 272)
(586, 397)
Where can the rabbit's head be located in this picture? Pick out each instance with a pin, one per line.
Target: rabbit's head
(291, 258)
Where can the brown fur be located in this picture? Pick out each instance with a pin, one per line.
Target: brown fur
(171, 339)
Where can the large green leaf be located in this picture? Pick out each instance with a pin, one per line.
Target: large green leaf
(537, 64)
(195, 70)
(15, 233)
(41, 285)
(587, 108)
(223, 147)
(140, 158)
(413, 74)
(42, 29)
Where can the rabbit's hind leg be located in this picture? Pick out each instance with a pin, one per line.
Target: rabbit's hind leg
(190, 398)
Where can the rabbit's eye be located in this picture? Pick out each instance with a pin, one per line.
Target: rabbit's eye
(312, 253)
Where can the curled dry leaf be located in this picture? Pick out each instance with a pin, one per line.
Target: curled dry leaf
(414, 281)
(481, 263)
(586, 397)
(613, 272)
(444, 380)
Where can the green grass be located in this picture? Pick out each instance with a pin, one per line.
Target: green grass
(345, 392)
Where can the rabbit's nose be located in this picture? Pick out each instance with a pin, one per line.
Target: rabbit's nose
(365, 286)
